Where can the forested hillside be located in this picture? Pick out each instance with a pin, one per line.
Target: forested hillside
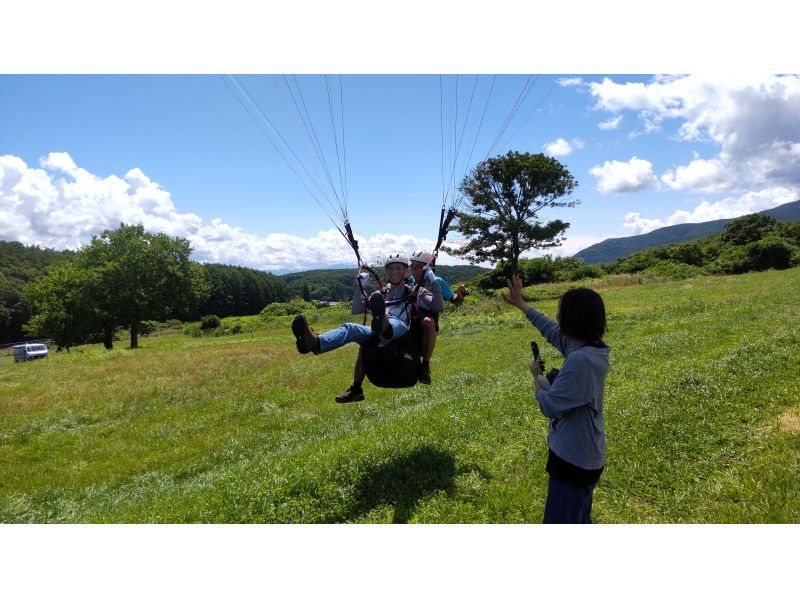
(239, 291)
(18, 266)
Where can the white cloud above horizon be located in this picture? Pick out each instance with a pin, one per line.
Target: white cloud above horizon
(730, 207)
(61, 206)
(615, 177)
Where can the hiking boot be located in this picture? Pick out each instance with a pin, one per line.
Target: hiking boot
(425, 373)
(351, 395)
(377, 307)
(307, 341)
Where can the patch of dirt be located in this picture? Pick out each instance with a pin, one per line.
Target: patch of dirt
(789, 421)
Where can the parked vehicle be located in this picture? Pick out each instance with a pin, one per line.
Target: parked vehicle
(30, 351)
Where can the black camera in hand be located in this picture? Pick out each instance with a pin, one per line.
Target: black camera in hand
(551, 375)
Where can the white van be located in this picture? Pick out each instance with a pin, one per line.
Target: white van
(29, 351)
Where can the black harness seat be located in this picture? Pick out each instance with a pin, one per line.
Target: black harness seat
(396, 364)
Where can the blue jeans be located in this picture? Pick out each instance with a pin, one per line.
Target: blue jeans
(568, 503)
(356, 333)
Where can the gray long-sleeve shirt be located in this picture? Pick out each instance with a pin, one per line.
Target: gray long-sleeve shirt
(430, 299)
(574, 403)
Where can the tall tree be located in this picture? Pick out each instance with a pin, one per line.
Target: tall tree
(144, 276)
(506, 194)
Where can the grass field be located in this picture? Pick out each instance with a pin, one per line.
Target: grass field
(702, 420)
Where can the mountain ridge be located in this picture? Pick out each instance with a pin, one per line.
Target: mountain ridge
(611, 250)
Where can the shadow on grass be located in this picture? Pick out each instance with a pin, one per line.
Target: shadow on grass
(404, 482)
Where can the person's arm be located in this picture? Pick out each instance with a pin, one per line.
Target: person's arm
(549, 329)
(447, 292)
(570, 390)
(359, 305)
(430, 296)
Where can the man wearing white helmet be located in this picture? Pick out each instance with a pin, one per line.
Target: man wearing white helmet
(448, 294)
(391, 317)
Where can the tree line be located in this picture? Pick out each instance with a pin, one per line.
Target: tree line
(122, 278)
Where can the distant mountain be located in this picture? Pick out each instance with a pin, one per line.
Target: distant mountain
(611, 250)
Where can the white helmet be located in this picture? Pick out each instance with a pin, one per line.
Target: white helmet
(395, 258)
(421, 256)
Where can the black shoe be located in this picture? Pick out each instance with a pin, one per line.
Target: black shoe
(377, 307)
(307, 341)
(425, 373)
(351, 395)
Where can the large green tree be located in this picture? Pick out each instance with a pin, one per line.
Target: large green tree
(121, 278)
(506, 195)
(144, 276)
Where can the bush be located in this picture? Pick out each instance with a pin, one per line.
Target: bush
(209, 322)
(148, 327)
(538, 270)
(674, 270)
(770, 252)
(193, 329)
(734, 260)
(580, 272)
(295, 306)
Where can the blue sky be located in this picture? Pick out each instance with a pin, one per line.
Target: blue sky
(180, 154)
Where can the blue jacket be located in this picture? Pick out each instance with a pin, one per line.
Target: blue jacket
(574, 403)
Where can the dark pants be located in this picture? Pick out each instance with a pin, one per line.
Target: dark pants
(568, 503)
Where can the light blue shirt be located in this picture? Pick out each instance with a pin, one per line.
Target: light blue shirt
(447, 292)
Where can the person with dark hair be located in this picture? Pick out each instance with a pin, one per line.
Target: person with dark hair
(574, 402)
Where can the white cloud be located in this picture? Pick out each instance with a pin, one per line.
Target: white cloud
(562, 147)
(572, 245)
(61, 206)
(753, 121)
(730, 207)
(636, 225)
(559, 147)
(611, 123)
(624, 177)
(707, 176)
(570, 82)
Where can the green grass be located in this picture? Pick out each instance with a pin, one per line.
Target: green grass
(702, 412)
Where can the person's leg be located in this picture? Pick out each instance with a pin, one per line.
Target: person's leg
(355, 392)
(428, 326)
(567, 503)
(428, 338)
(346, 333)
(358, 370)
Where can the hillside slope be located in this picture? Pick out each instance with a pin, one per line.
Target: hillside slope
(613, 249)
